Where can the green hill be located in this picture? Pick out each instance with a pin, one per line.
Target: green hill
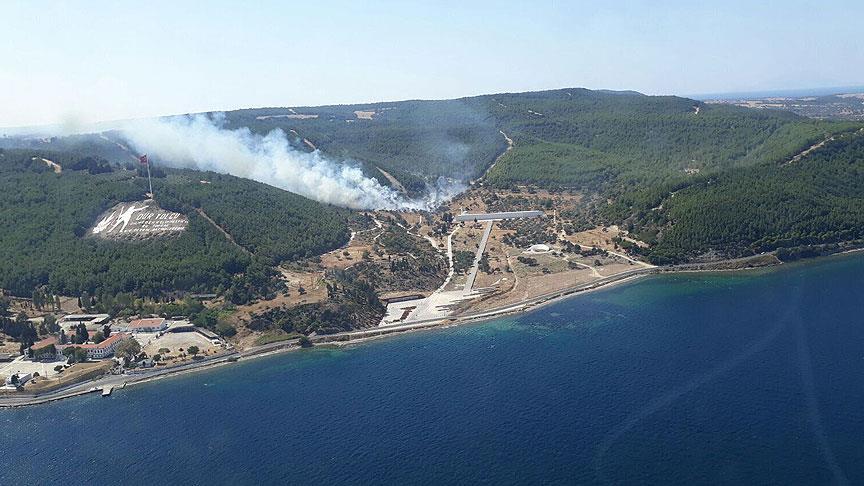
(817, 200)
(594, 141)
(415, 141)
(590, 140)
(688, 177)
(46, 217)
(659, 165)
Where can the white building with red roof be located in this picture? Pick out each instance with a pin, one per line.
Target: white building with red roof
(102, 350)
(46, 350)
(154, 324)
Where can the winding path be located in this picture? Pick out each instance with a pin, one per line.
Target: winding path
(489, 169)
(809, 150)
(222, 230)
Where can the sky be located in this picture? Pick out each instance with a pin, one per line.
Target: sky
(84, 61)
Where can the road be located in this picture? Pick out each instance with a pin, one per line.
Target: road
(489, 169)
(809, 150)
(472, 274)
(226, 234)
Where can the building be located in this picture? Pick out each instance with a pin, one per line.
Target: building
(106, 348)
(539, 248)
(46, 350)
(212, 336)
(102, 350)
(18, 379)
(156, 324)
(92, 321)
(498, 216)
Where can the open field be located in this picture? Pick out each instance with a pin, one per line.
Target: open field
(177, 343)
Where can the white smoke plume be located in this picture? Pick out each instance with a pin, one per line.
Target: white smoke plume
(201, 142)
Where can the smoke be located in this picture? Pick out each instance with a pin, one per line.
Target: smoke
(202, 142)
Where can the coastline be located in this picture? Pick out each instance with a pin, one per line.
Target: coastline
(366, 335)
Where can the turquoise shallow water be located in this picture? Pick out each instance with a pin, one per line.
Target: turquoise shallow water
(686, 379)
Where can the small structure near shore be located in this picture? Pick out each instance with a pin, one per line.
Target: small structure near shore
(18, 380)
(539, 248)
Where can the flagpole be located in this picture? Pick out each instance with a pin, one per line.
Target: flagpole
(149, 182)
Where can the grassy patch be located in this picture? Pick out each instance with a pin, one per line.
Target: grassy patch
(275, 338)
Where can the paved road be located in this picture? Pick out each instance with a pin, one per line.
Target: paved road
(472, 274)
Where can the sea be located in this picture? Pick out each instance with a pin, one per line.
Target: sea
(752, 377)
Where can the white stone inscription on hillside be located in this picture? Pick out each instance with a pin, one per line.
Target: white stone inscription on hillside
(138, 220)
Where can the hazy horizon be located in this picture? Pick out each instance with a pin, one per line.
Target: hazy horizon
(168, 58)
(109, 124)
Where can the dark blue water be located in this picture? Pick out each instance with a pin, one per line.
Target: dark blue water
(689, 379)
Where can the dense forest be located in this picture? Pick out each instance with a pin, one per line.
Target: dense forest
(816, 200)
(271, 223)
(601, 141)
(577, 138)
(46, 216)
(692, 179)
(615, 142)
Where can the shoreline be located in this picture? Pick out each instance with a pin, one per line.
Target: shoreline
(348, 338)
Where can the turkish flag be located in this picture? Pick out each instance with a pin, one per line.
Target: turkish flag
(143, 159)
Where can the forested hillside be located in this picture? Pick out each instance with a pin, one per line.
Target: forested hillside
(625, 153)
(614, 141)
(816, 200)
(576, 138)
(46, 216)
(71, 148)
(415, 141)
(271, 223)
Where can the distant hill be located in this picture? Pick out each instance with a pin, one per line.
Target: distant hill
(568, 137)
(644, 162)
(688, 177)
(600, 142)
(415, 141)
(47, 215)
(589, 140)
(799, 207)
